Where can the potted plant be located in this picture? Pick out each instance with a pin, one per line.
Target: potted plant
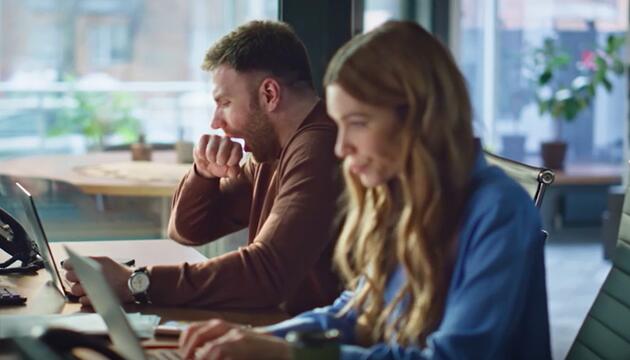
(564, 101)
(97, 115)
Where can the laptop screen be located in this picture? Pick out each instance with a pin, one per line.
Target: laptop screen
(41, 240)
(106, 303)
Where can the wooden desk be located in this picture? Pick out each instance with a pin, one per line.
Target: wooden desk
(43, 299)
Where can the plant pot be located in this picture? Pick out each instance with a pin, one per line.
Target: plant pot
(553, 153)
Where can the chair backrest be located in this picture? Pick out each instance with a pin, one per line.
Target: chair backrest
(534, 179)
(605, 333)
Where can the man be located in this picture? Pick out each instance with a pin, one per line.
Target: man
(286, 192)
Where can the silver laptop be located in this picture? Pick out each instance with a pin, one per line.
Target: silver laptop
(105, 302)
(41, 240)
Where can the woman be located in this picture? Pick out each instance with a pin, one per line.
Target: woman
(443, 254)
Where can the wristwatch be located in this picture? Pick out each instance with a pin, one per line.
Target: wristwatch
(138, 284)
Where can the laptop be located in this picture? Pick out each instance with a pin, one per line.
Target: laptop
(105, 302)
(59, 283)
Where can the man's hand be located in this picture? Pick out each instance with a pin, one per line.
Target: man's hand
(217, 339)
(217, 156)
(115, 273)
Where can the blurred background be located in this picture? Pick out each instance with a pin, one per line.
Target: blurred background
(112, 61)
(85, 79)
(134, 65)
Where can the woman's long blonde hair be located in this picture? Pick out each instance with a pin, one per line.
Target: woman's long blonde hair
(412, 220)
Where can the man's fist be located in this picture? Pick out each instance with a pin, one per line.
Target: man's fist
(217, 156)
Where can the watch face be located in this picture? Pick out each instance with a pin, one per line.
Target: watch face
(139, 282)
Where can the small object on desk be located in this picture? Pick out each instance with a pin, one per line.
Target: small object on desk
(141, 151)
(8, 297)
(171, 328)
(184, 151)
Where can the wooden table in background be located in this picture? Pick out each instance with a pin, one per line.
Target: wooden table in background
(590, 174)
(109, 173)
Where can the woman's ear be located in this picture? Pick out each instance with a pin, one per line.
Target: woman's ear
(269, 92)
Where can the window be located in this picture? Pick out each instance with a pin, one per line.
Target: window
(379, 11)
(496, 39)
(122, 59)
(43, 46)
(376, 12)
(109, 44)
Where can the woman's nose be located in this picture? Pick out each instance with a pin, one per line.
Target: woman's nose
(342, 146)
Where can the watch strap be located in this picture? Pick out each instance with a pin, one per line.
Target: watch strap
(141, 298)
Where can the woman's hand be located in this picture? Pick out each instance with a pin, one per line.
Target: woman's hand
(217, 339)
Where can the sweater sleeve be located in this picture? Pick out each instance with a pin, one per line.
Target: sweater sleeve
(504, 247)
(294, 236)
(321, 319)
(204, 209)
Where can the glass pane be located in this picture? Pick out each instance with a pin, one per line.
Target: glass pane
(377, 12)
(74, 74)
(470, 56)
(504, 94)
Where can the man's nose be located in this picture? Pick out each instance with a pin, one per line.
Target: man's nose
(217, 121)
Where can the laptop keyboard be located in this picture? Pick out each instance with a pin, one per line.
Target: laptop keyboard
(165, 354)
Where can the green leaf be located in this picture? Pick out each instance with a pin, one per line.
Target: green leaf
(618, 67)
(556, 109)
(610, 41)
(614, 43)
(585, 102)
(598, 76)
(571, 109)
(560, 60)
(607, 84)
(543, 106)
(600, 63)
(545, 77)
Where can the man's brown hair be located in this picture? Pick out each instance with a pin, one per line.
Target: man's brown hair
(268, 46)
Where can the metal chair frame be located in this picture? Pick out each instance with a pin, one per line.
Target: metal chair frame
(544, 176)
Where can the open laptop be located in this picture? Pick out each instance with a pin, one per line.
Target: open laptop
(105, 302)
(41, 240)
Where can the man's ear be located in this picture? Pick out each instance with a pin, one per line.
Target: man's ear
(269, 91)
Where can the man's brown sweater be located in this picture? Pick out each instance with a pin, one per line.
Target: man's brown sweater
(290, 208)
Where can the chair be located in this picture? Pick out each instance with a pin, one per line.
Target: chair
(605, 333)
(535, 180)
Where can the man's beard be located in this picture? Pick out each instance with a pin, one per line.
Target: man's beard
(260, 137)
